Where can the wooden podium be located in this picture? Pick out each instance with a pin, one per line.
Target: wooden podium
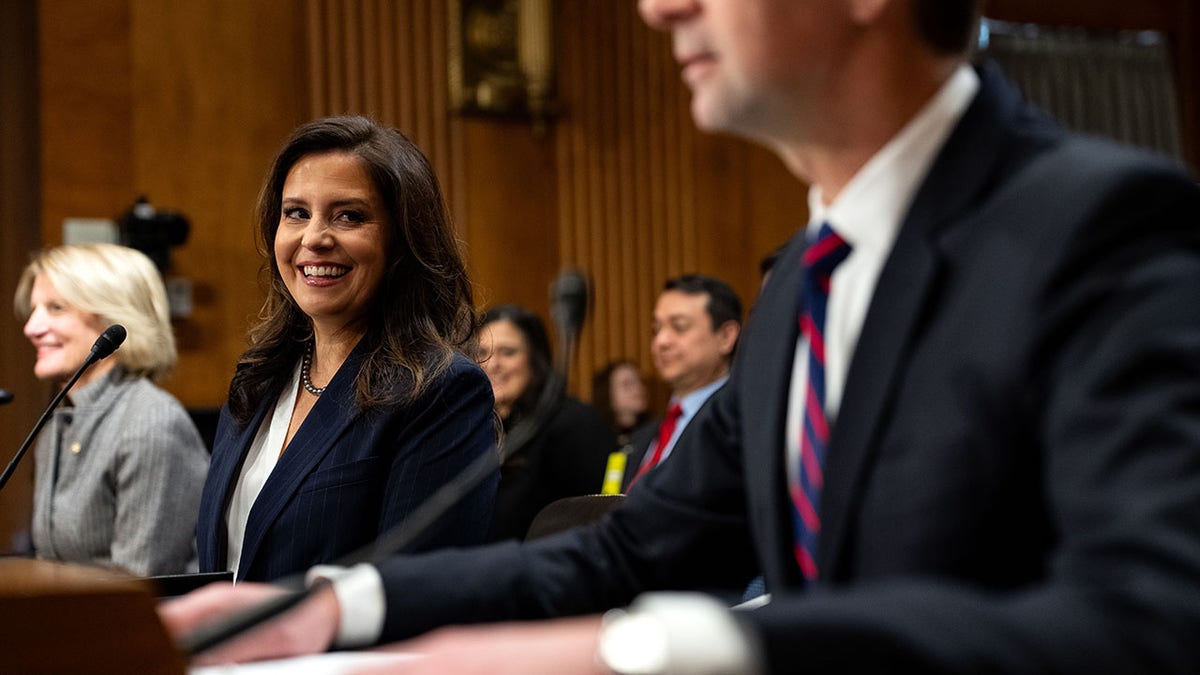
(58, 618)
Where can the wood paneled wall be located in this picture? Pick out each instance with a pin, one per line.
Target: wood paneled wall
(185, 103)
(621, 185)
(642, 195)
(18, 236)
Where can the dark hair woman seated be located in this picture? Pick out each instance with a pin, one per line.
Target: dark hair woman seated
(555, 445)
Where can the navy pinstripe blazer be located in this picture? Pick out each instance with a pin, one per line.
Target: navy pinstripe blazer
(348, 476)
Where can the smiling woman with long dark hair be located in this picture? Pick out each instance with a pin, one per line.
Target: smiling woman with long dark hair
(355, 400)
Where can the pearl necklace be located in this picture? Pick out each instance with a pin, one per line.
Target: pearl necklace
(305, 364)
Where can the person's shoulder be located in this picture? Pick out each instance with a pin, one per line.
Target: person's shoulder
(643, 434)
(461, 363)
(1031, 147)
(1087, 177)
(581, 417)
(465, 370)
(460, 377)
(145, 395)
(1072, 178)
(150, 411)
(573, 407)
(1095, 157)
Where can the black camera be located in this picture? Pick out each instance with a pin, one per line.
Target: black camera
(153, 232)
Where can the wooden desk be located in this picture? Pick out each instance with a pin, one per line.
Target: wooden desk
(58, 618)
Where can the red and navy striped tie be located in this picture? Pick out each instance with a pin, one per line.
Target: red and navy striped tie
(819, 262)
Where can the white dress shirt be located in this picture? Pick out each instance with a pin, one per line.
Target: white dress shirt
(867, 214)
(260, 461)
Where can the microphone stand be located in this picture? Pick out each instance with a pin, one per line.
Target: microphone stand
(96, 354)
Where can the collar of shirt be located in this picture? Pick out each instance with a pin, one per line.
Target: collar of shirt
(868, 211)
(868, 214)
(94, 392)
(689, 405)
(260, 461)
(692, 402)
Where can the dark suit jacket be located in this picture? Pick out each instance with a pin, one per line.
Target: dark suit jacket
(348, 476)
(565, 458)
(1013, 483)
(642, 438)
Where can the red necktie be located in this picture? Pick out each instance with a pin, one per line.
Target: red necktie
(819, 261)
(664, 436)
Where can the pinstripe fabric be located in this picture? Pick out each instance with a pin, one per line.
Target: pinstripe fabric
(348, 475)
(819, 260)
(118, 479)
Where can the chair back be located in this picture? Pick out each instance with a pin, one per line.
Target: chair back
(568, 512)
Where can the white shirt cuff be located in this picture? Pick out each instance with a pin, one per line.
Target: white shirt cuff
(692, 633)
(359, 592)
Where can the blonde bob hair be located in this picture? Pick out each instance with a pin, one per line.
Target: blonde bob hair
(117, 284)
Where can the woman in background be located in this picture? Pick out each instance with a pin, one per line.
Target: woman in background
(619, 394)
(555, 445)
(120, 465)
(354, 402)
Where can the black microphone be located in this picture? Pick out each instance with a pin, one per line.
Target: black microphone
(6, 396)
(569, 301)
(106, 344)
(568, 309)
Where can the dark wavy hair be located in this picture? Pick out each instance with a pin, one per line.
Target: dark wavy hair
(423, 313)
(541, 364)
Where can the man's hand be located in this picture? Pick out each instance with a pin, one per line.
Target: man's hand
(559, 647)
(306, 629)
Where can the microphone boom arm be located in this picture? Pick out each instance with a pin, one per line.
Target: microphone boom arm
(106, 344)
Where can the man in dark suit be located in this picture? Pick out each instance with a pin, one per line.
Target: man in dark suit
(697, 319)
(971, 445)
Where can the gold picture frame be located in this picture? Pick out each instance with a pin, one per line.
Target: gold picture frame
(501, 58)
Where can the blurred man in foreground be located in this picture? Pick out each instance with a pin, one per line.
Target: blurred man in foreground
(961, 432)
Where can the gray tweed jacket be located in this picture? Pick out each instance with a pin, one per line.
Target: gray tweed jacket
(118, 479)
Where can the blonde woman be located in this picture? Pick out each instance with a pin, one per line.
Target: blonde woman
(120, 465)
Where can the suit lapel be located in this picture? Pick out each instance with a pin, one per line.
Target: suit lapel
(639, 442)
(224, 471)
(763, 376)
(901, 299)
(331, 414)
